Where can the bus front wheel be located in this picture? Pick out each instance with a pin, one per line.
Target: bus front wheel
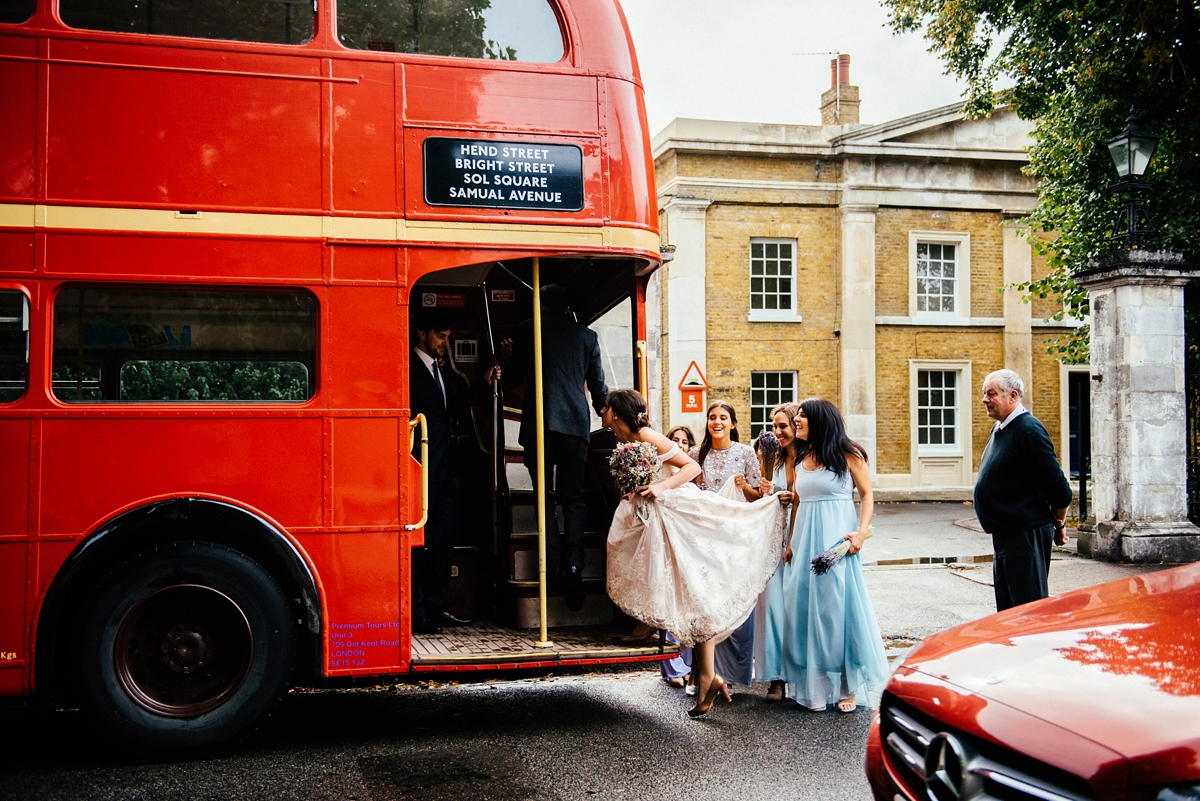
(187, 646)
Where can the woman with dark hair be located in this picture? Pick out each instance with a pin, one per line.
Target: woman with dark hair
(832, 649)
(731, 469)
(684, 560)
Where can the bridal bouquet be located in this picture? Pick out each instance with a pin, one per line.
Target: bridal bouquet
(633, 465)
(767, 446)
(823, 562)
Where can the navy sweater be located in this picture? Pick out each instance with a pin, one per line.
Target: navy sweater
(1019, 478)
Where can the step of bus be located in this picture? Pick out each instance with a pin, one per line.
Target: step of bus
(524, 519)
(597, 607)
(525, 564)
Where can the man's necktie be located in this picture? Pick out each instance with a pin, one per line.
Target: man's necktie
(437, 378)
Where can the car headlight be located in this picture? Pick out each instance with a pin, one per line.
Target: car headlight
(1179, 793)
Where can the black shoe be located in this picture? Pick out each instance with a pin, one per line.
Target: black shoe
(574, 588)
(447, 619)
(424, 625)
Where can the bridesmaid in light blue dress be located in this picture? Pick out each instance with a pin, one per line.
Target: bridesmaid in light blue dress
(832, 648)
(769, 614)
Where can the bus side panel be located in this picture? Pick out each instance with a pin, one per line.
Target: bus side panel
(632, 166)
(16, 251)
(18, 98)
(366, 340)
(510, 100)
(14, 485)
(200, 139)
(14, 655)
(14, 522)
(120, 256)
(91, 468)
(357, 263)
(364, 137)
(363, 582)
(365, 472)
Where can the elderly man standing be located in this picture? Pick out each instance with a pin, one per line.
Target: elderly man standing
(1021, 494)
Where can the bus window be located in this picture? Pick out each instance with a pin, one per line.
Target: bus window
(14, 11)
(14, 345)
(512, 30)
(274, 21)
(166, 345)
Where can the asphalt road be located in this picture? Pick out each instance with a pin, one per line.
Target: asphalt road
(600, 736)
(620, 736)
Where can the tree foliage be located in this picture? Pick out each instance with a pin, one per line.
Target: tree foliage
(1075, 67)
(213, 381)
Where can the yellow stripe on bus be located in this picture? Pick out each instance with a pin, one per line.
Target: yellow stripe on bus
(311, 226)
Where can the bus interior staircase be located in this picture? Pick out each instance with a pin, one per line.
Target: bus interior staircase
(519, 598)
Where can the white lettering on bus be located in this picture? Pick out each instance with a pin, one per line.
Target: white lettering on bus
(524, 153)
(521, 180)
(476, 193)
(521, 166)
(478, 164)
(535, 197)
(478, 150)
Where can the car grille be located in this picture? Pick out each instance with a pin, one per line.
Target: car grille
(939, 763)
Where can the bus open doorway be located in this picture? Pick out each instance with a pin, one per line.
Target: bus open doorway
(495, 580)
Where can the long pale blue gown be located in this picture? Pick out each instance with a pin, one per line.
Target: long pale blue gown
(769, 614)
(830, 646)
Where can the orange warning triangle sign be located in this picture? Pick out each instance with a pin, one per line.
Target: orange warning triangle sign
(693, 378)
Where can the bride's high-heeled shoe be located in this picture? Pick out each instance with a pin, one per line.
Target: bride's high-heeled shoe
(718, 685)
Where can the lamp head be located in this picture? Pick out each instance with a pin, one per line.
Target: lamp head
(1132, 149)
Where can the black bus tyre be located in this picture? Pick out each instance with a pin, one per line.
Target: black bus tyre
(186, 646)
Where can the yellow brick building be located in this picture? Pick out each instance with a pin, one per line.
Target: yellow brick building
(861, 263)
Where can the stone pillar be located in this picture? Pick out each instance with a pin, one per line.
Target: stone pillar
(858, 327)
(1139, 409)
(687, 332)
(1018, 316)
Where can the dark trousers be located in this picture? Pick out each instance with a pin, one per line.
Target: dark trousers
(566, 458)
(1021, 569)
(431, 563)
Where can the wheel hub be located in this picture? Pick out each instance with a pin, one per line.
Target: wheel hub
(186, 648)
(183, 650)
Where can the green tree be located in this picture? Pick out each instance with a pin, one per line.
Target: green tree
(1074, 67)
(214, 381)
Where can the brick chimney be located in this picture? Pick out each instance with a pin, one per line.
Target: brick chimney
(839, 105)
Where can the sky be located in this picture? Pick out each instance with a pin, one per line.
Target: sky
(738, 60)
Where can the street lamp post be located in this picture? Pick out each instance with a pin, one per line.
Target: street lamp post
(1132, 151)
(1139, 417)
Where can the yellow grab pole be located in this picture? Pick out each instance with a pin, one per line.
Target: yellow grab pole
(540, 418)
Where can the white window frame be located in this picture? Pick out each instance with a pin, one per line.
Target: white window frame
(929, 449)
(962, 273)
(1064, 412)
(749, 430)
(963, 449)
(788, 315)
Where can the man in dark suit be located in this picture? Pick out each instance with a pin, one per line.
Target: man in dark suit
(571, 371)
(432, 396)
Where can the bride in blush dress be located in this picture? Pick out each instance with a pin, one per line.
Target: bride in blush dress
(685, 560)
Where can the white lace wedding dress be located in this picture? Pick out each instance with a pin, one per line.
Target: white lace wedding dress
(693, 562)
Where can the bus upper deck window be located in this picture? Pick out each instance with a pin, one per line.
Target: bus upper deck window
(272, 21)
(14, 345)
(511, 30)
(15, 11)
(143, 345)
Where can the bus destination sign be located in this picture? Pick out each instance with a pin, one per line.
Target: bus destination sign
(504, 175)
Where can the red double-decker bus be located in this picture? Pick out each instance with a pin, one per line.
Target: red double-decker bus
(215, 222)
